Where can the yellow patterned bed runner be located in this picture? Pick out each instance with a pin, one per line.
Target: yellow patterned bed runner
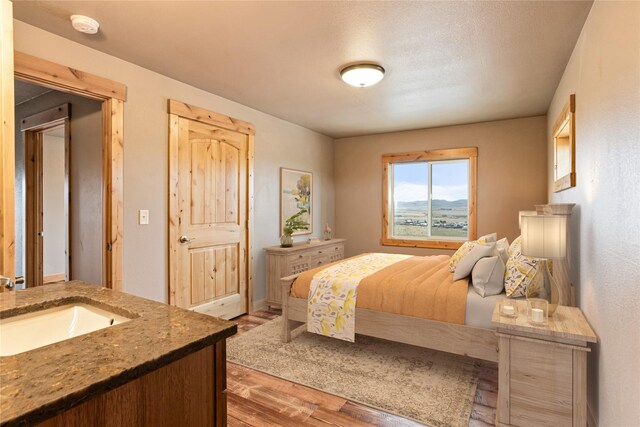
(332, 296)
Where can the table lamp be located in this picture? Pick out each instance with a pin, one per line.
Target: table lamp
(545, 237)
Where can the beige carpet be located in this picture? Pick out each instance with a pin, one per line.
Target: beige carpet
(428, 386)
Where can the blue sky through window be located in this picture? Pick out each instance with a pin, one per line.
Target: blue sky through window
(450, 181)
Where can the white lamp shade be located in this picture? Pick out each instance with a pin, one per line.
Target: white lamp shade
(523, 213)
(544, 236)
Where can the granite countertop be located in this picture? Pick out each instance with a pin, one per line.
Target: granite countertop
(40, 383)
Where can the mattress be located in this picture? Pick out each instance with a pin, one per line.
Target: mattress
(478, 310)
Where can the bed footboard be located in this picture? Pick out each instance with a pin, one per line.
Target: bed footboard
(288, 324)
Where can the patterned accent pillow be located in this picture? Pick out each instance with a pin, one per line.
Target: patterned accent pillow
(521, 271)
(466, 248)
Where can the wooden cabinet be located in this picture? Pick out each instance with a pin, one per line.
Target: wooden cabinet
(282, 262)
(190, 391)
(542, 370)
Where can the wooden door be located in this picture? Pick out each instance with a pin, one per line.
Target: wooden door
(210, 241)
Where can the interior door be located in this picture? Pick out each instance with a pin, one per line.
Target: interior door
(211, 246)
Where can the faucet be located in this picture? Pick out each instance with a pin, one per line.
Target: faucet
(6, 284)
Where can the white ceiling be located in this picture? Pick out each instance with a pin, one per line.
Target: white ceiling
(447, 62)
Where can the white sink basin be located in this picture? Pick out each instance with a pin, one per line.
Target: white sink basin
(39, 328)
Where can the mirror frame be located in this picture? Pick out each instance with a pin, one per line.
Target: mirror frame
(564, 119)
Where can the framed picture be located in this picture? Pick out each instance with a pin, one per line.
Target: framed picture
(296, 194)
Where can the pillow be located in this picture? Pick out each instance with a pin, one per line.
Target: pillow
(502, 246)
(466, 248)
(520, 271)
(466, 264)
(488, 276)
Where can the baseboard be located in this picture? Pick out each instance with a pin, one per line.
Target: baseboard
(51, 278)
(261, 304)
(591, 419)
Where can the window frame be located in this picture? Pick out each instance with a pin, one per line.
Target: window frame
(469, 153)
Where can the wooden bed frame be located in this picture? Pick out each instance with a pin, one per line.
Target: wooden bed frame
(471, 341)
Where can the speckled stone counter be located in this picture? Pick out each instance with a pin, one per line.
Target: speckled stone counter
(38, 384)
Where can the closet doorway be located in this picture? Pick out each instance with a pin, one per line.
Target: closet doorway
(47, 210)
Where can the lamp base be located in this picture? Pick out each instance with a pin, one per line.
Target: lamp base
(545, 287)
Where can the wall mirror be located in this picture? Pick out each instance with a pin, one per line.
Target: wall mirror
(564, 147)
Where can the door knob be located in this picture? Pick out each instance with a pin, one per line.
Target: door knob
(185, 239)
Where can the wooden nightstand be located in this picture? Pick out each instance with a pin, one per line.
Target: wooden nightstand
(542, 372)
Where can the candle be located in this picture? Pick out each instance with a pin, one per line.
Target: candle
(508, 310)
(537, 315)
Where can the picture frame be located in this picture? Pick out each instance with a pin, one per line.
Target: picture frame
(296, 192)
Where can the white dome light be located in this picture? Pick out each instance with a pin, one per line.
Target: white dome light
(84, 24)
(362, 75)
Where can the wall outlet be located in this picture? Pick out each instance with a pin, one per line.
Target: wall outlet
(143, 217)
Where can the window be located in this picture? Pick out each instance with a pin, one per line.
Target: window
(429, 198)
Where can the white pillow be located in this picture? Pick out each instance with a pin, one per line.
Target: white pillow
(466, 248)
(464, 267)
(488, 276)
(502, 246)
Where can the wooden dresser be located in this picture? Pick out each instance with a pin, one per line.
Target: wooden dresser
(282, 262)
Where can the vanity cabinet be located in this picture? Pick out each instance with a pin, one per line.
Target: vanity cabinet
(283, 262)
(190, 391)
(161, 366)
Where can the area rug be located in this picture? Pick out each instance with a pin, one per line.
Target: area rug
(428, 386)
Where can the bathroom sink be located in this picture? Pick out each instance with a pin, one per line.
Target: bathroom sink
(43, 327)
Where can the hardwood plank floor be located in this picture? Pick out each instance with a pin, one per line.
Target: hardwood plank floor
(256, 399)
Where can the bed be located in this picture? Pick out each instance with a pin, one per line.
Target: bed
(469, 333)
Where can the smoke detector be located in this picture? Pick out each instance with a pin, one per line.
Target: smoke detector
(84, 24)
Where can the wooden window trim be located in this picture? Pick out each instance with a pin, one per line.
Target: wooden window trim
(65, 79)
(470, 153)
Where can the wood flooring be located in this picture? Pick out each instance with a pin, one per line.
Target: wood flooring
(256, 399)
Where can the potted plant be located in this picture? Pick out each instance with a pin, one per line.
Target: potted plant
(292, 224)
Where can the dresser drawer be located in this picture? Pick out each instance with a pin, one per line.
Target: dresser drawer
(320, 260)
(298, 263)
(336, 256)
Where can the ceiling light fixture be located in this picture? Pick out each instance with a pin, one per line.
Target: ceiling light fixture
(84, 24)
(362, 75)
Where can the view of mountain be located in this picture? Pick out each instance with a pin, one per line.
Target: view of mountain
(436, 204)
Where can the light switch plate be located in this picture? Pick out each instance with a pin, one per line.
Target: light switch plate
(143, 217)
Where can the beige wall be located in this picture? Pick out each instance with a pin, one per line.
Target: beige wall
(511, 176)
(85, 177)
(277, 143)
(604, 73)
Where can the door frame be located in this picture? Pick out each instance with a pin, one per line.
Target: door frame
(179, 109)
(65, 79)
(33, 128)
(7, 143)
